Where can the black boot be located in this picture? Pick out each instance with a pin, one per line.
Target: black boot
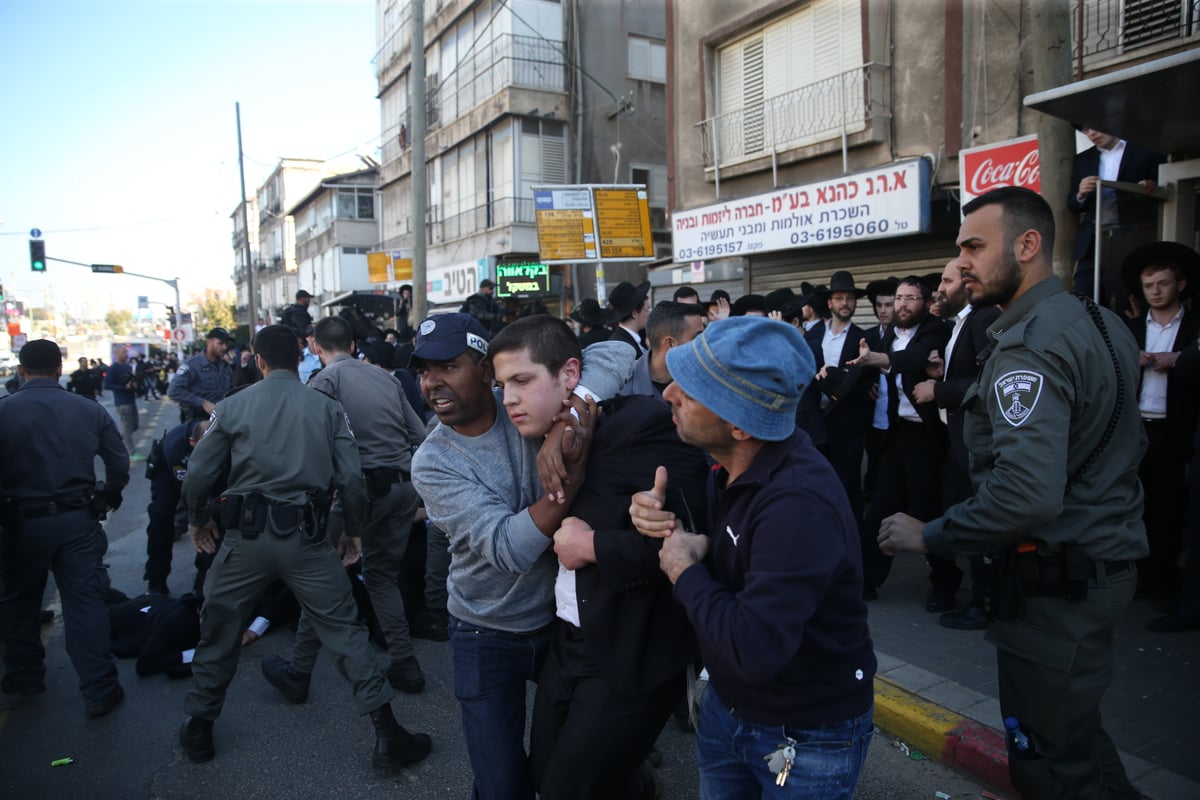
(394, 746)
(291, 684)
(196, 739)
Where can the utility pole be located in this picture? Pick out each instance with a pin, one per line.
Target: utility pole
(1051, 62)
(251, 300)
(420, 192)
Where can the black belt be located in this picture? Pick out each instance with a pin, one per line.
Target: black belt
(52, 508)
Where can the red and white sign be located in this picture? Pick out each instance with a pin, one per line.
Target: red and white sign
(182, 334)
(990, 166)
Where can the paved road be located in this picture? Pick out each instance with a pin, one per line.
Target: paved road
(266, 749)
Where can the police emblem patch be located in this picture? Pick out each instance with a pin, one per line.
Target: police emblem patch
(427, 327)
(1018, 393)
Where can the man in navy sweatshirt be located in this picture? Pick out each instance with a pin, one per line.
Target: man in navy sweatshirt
(777, 604)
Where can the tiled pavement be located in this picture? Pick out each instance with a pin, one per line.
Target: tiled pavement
(1150, 710)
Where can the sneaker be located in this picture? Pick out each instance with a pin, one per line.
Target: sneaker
(137, 457)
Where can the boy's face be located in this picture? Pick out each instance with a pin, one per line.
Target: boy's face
(532, 396)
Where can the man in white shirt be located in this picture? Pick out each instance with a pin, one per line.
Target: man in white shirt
(1163, 274)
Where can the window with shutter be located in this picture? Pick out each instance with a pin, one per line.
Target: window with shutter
(1147, 21)
(796, 80)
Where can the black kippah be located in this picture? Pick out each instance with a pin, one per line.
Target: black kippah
(40, 355)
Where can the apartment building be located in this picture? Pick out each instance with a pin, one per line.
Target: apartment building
(809, 136)
(518, 93)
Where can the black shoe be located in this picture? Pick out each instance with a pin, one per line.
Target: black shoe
(970, 618)
(406, 675)
(47, 616)
(105, 704)
(291, 684)
(394, 746)
(10, 685)
(940, 600)
(431, 625)
(1174, 623)
(196, 739)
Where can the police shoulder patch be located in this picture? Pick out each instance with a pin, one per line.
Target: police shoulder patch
(1017, 394)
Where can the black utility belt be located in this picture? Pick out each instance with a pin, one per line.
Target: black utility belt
(1026, 572)
(248, 515)
(381, 479)
(51, 508)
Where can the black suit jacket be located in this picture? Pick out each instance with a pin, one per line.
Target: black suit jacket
(1183, 386)
(1137, 164)
(847, 418)
(619, 334)
(961, 373)
(931, 334)
(634, 629)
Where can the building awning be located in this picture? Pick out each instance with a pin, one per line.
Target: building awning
(1152, 104)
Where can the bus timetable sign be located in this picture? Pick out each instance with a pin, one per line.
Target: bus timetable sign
(513, 279)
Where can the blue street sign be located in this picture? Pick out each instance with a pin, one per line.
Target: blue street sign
(36, 233)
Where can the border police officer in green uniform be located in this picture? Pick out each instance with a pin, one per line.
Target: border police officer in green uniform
(287, 447)
(1055, 439)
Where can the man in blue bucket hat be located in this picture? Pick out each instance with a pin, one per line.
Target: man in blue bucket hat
(775, 594)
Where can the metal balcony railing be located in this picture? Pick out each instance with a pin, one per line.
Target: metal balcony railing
(843, 103)
(501, 211)
(1105, 29)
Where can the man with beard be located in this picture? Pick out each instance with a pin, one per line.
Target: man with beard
(839, 396)
(1055, 439)
(910, 470)
(958, 368)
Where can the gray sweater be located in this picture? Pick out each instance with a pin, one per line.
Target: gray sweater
(478, 490)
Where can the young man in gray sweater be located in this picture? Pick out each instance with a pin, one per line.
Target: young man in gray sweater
(478, 475)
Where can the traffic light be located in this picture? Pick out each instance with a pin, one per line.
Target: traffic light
(171, 315)
(37, 255)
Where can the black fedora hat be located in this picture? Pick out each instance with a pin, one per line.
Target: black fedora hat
(843, 281)
(1162, 254)
(589, 313)
(883, 286)
(627, 298)
(780, 299)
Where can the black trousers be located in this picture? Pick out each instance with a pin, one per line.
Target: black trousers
(910, 482)
(588, 739)
(1163, 473)
(165, 490)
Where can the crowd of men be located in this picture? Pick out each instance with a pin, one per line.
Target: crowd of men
(667, 487)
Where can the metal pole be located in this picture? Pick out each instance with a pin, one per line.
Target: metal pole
(251, 299)
(420, 190)
(174, 284)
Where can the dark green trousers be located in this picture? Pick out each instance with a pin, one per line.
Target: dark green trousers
(1055, 662)
(240, 572)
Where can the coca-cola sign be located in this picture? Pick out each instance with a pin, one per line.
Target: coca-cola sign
(1010, 163)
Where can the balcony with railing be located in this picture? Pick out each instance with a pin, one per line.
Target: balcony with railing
(843, 104)
(1108, 31)
(500, 211)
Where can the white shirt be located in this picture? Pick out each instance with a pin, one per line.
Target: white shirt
(906, 410)
(1152, 400)
(1110, 165)
(566, 602)
(958, 326)
(880, 421)
(832, 344)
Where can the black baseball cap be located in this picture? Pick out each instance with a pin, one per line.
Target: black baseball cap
(219, 333)
(302, 293)
(447, 336)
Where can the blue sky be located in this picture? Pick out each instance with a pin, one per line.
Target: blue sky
(119, 117)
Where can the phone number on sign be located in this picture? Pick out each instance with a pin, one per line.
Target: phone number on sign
(716, 249)
(856, 230)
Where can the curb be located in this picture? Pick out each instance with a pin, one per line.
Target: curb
(946, 736)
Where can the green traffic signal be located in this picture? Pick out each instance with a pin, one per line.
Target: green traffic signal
(37, 255)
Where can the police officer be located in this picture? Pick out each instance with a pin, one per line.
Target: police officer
(49, 439)
(288, 446)
(166, 469)
(297, 316)
(1053, 428)
(387, 430)
(204, 378)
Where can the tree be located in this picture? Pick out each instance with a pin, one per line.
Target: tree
(214, 310)
(119, 322)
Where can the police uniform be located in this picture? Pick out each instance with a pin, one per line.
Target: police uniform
(197, 380)
(1055, 444)
(166, 470)
(284, 441)
(49, 439)
(387, 431)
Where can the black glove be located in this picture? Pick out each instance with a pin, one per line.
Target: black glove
(112, 499)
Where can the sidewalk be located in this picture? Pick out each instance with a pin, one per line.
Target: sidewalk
(936, 690)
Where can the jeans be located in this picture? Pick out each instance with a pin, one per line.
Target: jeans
(491, 669)
(731, 754)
